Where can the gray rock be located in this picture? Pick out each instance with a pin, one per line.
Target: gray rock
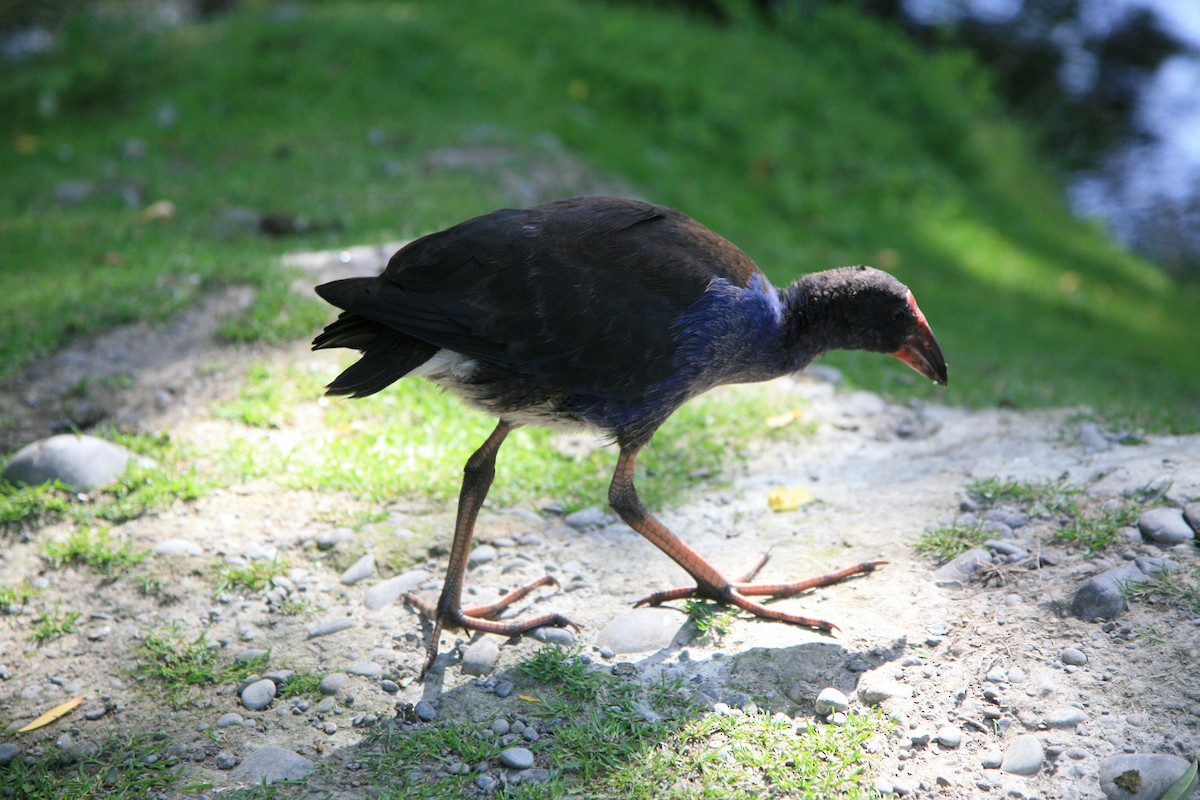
(226, 760)
(482, 554)
(876, 691)
(958, 571)
(642, 629)
(251, 654)
(1166, 526)
(585, 518)
(385, 593)
(1191, 514)
(327, 540)
(992, 759)
(334, 682)
(1100, 596)
(830, 700)
(81, 462)
(503, 689)
(500, 727)
(360, 570)
(425, 711)
(1139, 776)
(273, 765)
(229, 720)
(1073, 656)
(516, 758)
(8, 752)
(480, 657)
(949, 736)
(1013, 519)
(1065, 717)
(259, 694)
(331, 626)
(559, 636)
(365, 669)
(1092, 439)
(177, 547)
(1024, 756)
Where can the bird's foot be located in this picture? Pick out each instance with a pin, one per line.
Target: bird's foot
(737, 593)
(480, 618)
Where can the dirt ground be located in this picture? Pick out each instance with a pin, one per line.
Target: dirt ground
(880, 473)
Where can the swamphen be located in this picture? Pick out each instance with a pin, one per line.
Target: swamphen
(607, 313)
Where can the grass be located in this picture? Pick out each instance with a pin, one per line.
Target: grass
(605, 736)
(131, 768)
(53, 624)
(95, 549)
(822, 139)
(1179, 588)
(1079, 522)
(711, 620)
(307, 684)
(17, 595)
(181, 668)
(254, 575)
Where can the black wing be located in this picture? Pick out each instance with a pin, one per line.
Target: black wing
(578, 295)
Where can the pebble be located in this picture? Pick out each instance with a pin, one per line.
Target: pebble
(996, 675)
(1065, 717)
(333, 683)
(482, 554)
(327, 540)
(958, 571)
(503, 689)
(386, 592)
(1100, 597)
(516, 758)
(8, 752)
(177, 547)
(229, 720)
(560, 636)
(365, 669)
(359, 571)
(480, 657)
(949, 736)
(1140, 776)
(1166, 526)
(425, 711)
(500, 727)
(226, 760)
(874, 692)
(1024, 756)
(830, 700)
(1073, 656)
(273, 765)
(331, 626)
(81, 462)
(391, 687)
(585, 518)
(640, 630)
(259, 694)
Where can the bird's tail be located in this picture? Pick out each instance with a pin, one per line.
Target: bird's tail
(387, 355)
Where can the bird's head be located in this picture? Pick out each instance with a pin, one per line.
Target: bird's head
(868, 309)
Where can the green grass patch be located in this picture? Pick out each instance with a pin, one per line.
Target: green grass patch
(947, 541)
(140, 766)
(605, 736)
(17, 595)
(53, 624)
(181, 668)
(1179, 588)
(254, 576)
(94, 548)
(711, 620)
(307, 684)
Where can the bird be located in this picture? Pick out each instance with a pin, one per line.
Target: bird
(605, 313)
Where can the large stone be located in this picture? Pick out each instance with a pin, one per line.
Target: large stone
(1140, 776)
(1024, 756)
(958, 571)
(642, 629)
(1166, 526)
(273, 765)
(82, 463)
(1100, 597)
(387, 592)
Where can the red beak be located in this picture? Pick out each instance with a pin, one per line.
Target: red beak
(921, 352)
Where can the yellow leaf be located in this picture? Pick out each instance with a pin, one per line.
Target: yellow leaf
(789, 498)
(161, 209)
(784, 418)
(530, 698)
(54, 713)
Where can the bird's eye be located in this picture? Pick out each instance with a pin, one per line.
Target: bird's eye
(898, 315)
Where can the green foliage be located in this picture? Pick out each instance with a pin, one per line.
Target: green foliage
(179, 666)
(254, 575)
(947, 541)
(711, 620)
(94, 549)
(306, 684)
(54, 624)
(22, 505)
(1179, 588)
(143, 765)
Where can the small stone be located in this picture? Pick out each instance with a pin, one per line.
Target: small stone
(327, 540)
(273, 765)
(1100, 597)
(8, 752)
(500, 727)
(365, 669)
(1065, 717)
(177, 547)
(1166, 526)
(949, 737)
(1073, 656)
(996, 675)
(229, 720)
(1139, 776)
(830, 700)
(226, 760)
(389, 591)
(516, 758)
(503, 689)
(590, 517)
(874, 692)
(259, 694)
(549, 635)
(958, 571)
(331, 626)
(333, 683)
(360, 570)
(1024, 756)
(482, 554)
(391, 687)
(425, 711)
(480, 657)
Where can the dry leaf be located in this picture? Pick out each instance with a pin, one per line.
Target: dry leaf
(163, 209)
(784, 418)
(530, 698)
(59, 710)
(789, 498)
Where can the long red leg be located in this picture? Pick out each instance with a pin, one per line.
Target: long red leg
(710, 583)
(478, 474)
